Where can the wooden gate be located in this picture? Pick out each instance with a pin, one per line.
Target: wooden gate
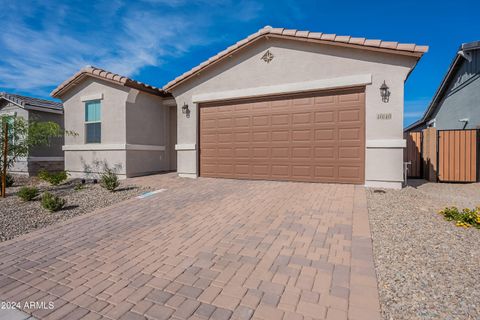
(413, 154)
(458, 155)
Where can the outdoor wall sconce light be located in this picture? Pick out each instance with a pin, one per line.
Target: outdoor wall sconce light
(185, 109)
(385, 92)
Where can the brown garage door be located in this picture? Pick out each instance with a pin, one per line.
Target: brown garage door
(316, 137)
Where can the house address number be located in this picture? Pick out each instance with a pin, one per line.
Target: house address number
(384, 116)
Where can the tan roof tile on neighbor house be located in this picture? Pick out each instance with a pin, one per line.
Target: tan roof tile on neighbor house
(90, 71)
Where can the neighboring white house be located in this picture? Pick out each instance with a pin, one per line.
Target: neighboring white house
(42, 157)
(279, 105)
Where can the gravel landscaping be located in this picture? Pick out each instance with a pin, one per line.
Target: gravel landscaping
(427, 267)
(19, 217)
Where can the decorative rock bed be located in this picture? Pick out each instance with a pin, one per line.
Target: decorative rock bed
(427, 267)
(19, 217)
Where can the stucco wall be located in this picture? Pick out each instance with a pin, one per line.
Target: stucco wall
(147, 124)
(90, 163)
(135, 131)
(462, 98)
(113, 111)
(295, 62)
(82, 163)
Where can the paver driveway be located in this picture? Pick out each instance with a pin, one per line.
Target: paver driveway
(205, 248)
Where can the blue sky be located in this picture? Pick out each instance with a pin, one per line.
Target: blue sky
(44, 42)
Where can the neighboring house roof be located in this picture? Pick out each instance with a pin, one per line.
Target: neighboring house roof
(461, 54)
(30, 103)
(332, 39)
(90, 71)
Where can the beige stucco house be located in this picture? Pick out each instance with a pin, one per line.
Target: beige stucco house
(281, 104)
(120, 123)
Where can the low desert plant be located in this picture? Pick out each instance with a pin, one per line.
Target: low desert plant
(52, 202)
(9, 181)
(79, 186)
(54, 178)
(109, 180)
(465, 218)
(27, 193)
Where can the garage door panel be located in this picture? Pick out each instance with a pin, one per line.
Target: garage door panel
(283, 136)
(325, 152)
(325, 134)
(324, 117)
(280, 170)
(261, 170)
(312, 137)
(242, 122)
(302, 135)
(303, 101)
(349, 134)
(277, 104)
(349, 97)
(243, 169)
(324, 100)
(259, 152)
(346, 172)
(349, 153)
(301, 152)
(349, 115)
(280, 152)
(261, 121)
(324, 172)
(280, 119)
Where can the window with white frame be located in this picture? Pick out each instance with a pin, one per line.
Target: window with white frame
(93, 123)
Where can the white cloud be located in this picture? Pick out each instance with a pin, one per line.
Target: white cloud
(121, 38)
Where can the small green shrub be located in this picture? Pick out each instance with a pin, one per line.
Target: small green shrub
(465, 218)
(79, 186)
(109, 180)
(54, 178)
(52, 202)
(27, 193)
(10, 181)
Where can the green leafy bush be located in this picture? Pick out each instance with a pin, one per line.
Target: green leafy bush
(52, 202)
(465, 218)
(54, 178)
(79, 186)
(10, 181)
(27, 193)
(109, 180)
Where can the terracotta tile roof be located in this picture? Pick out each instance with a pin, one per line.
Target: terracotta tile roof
(28, 102)
(90, 71)
(388, 46)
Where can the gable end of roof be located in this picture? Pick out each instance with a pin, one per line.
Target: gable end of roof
(32, 103)
(332, 39)
(452, 69)
(90, 71)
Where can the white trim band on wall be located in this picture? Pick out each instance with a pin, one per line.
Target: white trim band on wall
(39, 159)
(111, 147)
(386, 143)
(186, 146)
(294, 87)
(97, 96)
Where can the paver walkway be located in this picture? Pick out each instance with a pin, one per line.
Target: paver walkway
(204, 248)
